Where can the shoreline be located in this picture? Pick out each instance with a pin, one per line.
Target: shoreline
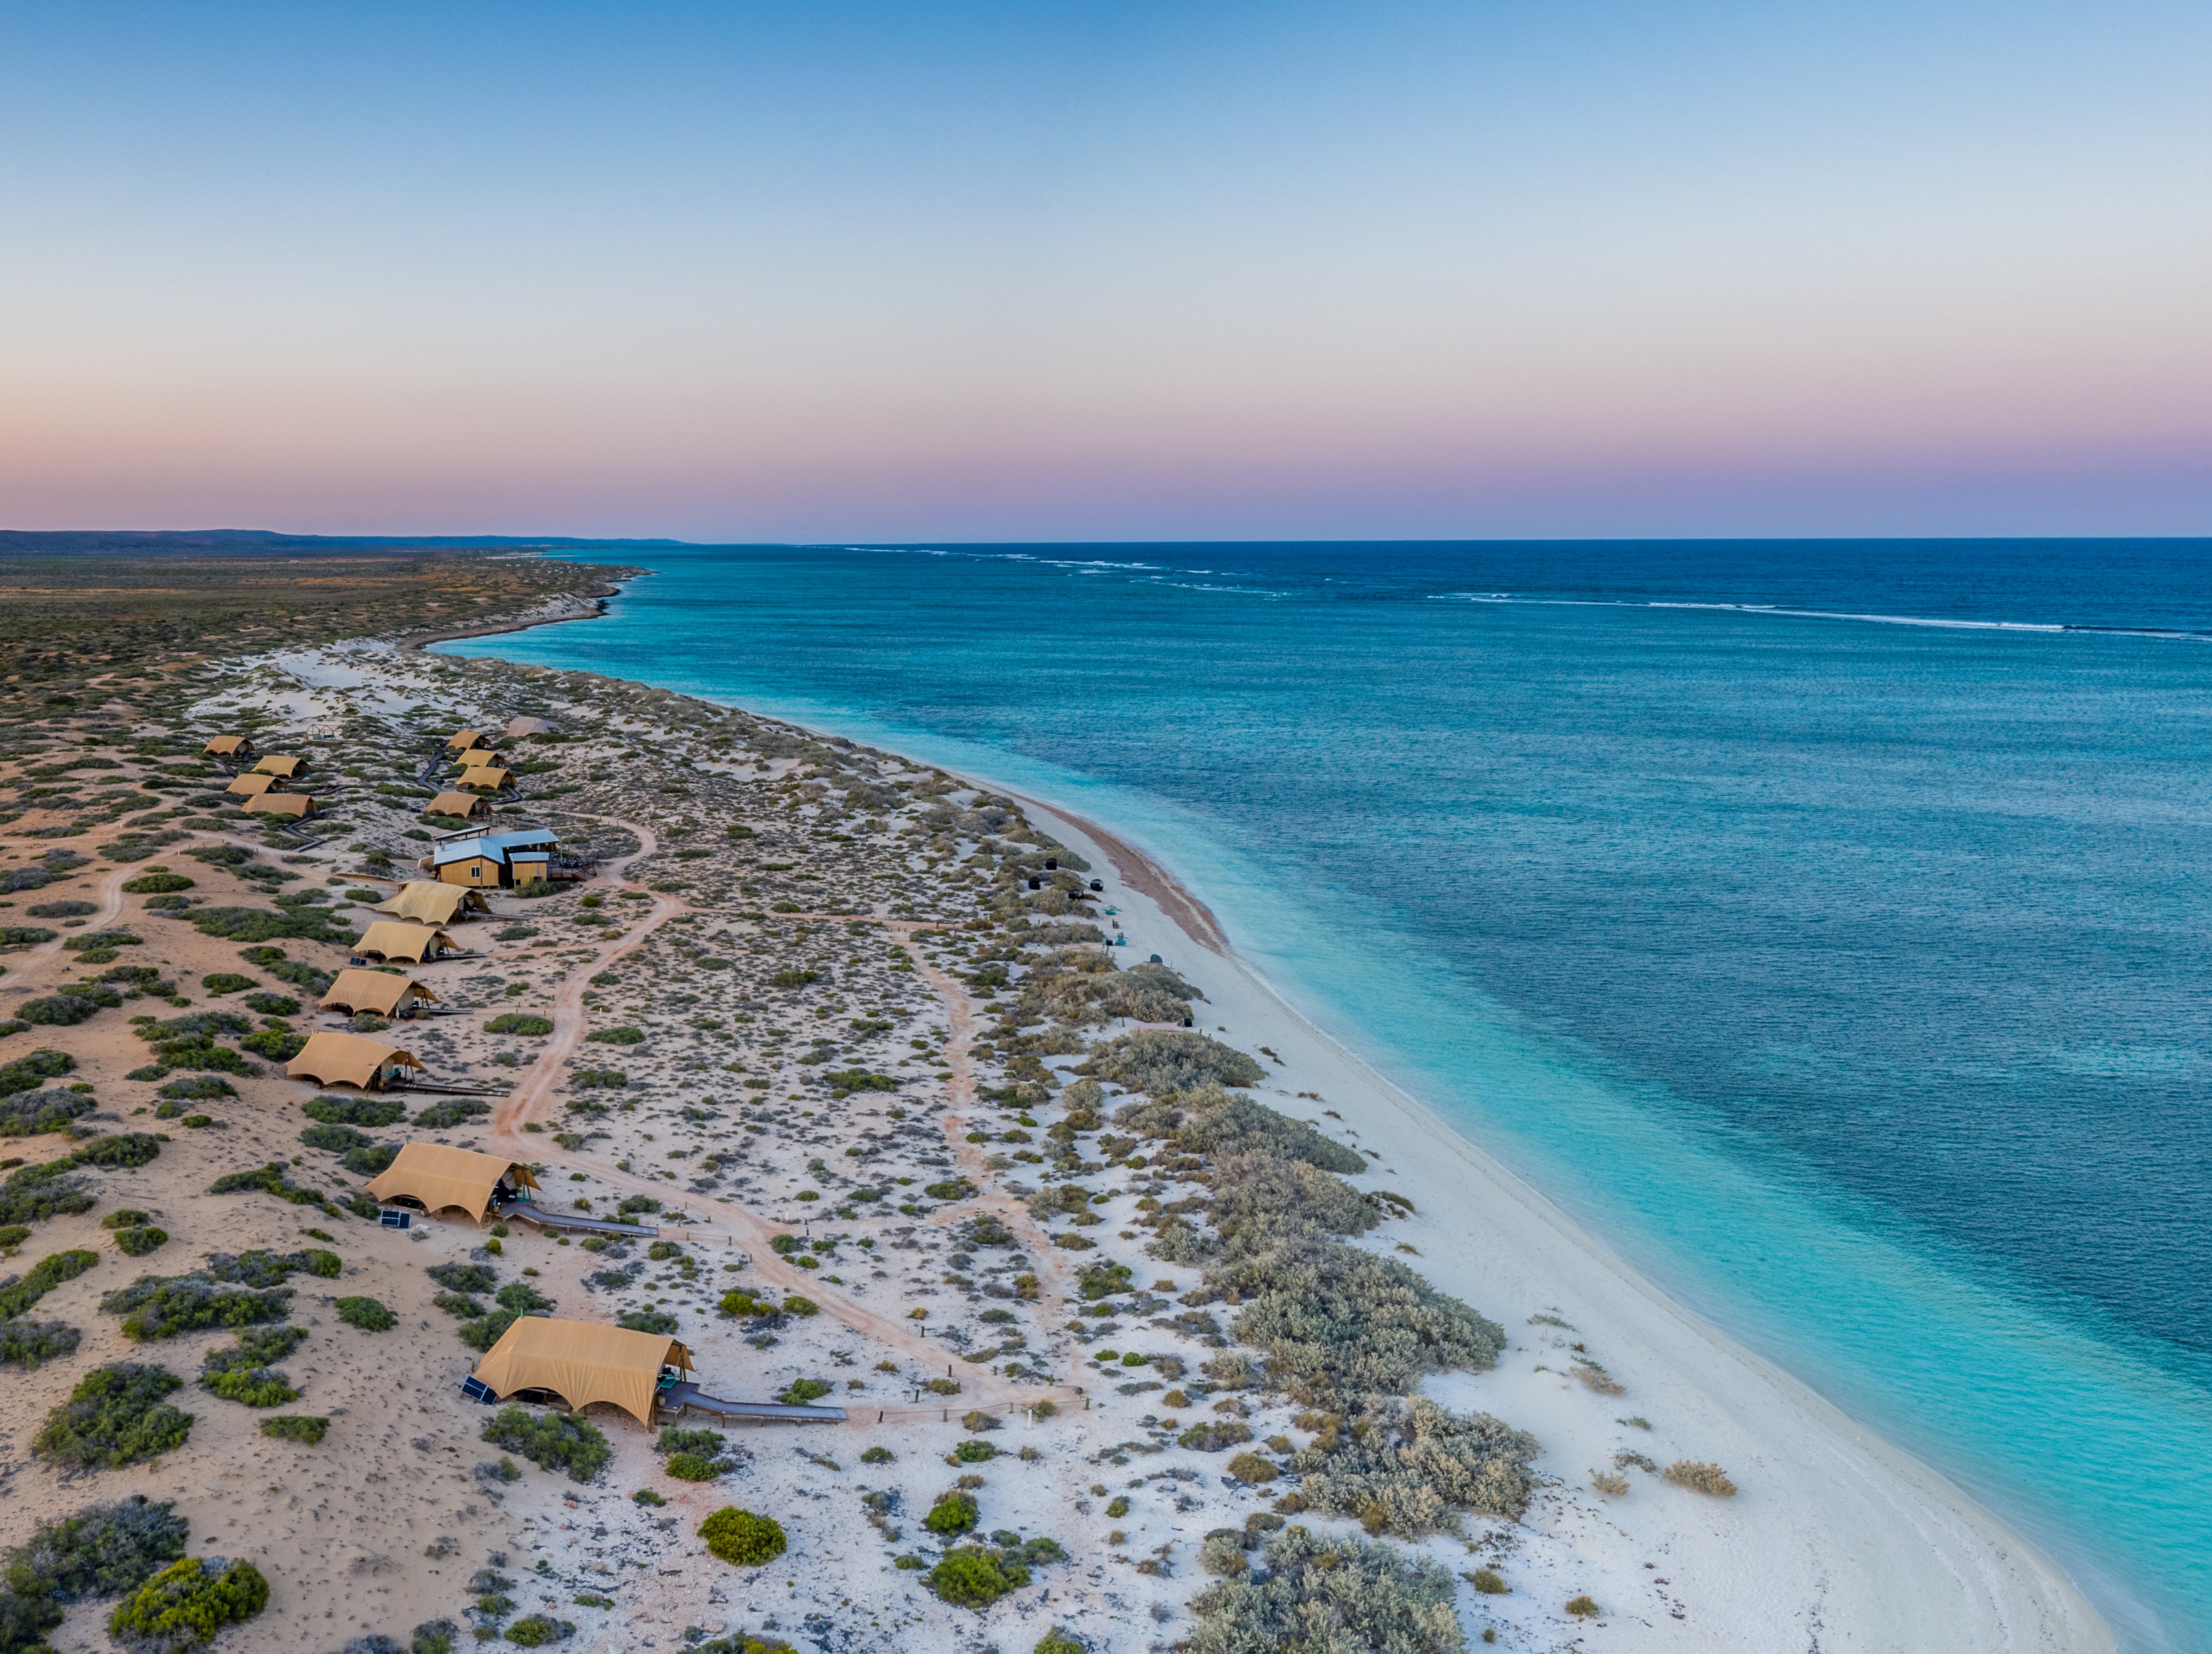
(1811, 1543)
(590, 605)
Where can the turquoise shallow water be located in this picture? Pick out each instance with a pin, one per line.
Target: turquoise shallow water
(1823, 923)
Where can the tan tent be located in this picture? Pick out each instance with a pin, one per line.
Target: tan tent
(487, 777)
(294, 804)
(389, 939)
(435, 1177)
(356, 990)
(281, 763)
(518, 728)
(229, 746)
(428, 901)
(463, 804)
(580, 1361)
(251, 786)
(348, 1059)
(477, 758)
(461, 739)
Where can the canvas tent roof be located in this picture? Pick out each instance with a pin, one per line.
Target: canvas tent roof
(346, 1059)
(460, 738)
(229, 744)
(486, 777)
(476, 757)
(280, 804)
(458, 804)
(412, 943)
(357, 990)
(438, 1177)
(519, 727)
(429, 902)
(493, 845)
(280, 764)
(250, 786)
(580, 1361)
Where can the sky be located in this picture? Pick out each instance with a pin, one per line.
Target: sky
(1067, 269)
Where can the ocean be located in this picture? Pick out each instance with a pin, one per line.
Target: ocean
(1823, 923)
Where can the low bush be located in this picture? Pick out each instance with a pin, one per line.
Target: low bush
(1254, 1468)
(553, 1441)
(103, 1551)
(977, 1576)
(1059, 1641)
(599, 1079)
(33, 1193)
(1408, 1469)
(366, 1314)
(30, 1113)
(1213, 1435)
(155, 884)
(17, 1296)
(183, 1606)
(27, 1344)
(296, 1427)
(62, 910)
(33, 1070)
(335, 1139)
(1159, 1060)
(519, 1022)
(800, 1392)
(67, 1008)
(155, 1307)
(278, 1044)
(463, 1277)
(220, 983)
(953, 1513)
(622, 1036)
(481, 1332)
(1585, 1608)
(116, 1415)
(742, 1539)
(198, 1087)
(1323, 1592)
(271, 1004)
(139, 1240)
(538, 1630)
(244, 1371)
(692, 1467)
(647, 1321)
(369, 1161)
(369, 1112)
(1488, 1582)
(445, 1115)
(1700, 1477)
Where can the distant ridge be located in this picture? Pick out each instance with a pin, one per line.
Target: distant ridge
(266, 542)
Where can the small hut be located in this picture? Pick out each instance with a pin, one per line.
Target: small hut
(431, 901)
(356, 990)
(330, 1059)
(496, 779)
(251, 786)
(283, 764)
(462, 740)
(463, 804)
(582, 1362)
(432, 1178)
(297, 805)
(389, 939)
(479, 758)
(521, 728)
(229, 746)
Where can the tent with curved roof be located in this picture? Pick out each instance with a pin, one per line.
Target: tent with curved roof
(477, 758)
(357, 990)
(330, 1059)
(434, 1178)
(390, 939)
(487, 776)
(229, 746)
(463, 804)
(283, 764)
(251, 785)
(461, 740)
(519, 727)
(430, 902)
(581, 1362)
(295, 805)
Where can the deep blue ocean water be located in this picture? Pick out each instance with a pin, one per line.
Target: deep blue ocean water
(1824, 923)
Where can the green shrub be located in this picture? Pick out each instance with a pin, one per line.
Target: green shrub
(647, 1321)
(953, 1513)
(27, 1344)
(638, 1204)
(271, 1004)
(801, 1307)
(1585, 1608)
(369, 1161)
(523, 1299)
(1060, 1641)
(974, 1452)
(1408, 1469)
(1488, 1582)
(369, 1112)
(480, 1333)
(225, 982)
(128, 1151)
(1159, 1060)
(334, 1139)
(296, 1427)
(117, 1416)
(445, 1115)
(278, 1044)
(878, 1456)
(154, 1306)
(18, 1296)
(183, 1606)
(646, 1496)
(537, 1630)
(691, 1467)
(794, 978)
(366, 1314)
(1320, 1590)
(1252, 1468)
(29, 1113)
(67, 1008)
(800, 1392)
(33, 1070)
(463, 1277)
(599, 1079)
(553, 1441)
(103, 1551)
(259, 925)
(622, 1036)
(139, 1241)
(34, 1193)
(199, 1086)
(1700, 1478)
(742, 1539)
(433, 1637)
(157, 884)
(519, 1022)
(974, 1576)
(62, 910)
(954, 1189)
(243, 1371)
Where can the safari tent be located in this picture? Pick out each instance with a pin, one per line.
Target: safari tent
(463, 804)
(487, 776)
(431, 901)
(580, 1361)
(251, 786)
(389, 939)
(294, 804)
(519, 728)
(229, 746)
(479, 758)
(330, 1059)
(432, 1178)
(357, 990)
(461, 740)
(283, 764)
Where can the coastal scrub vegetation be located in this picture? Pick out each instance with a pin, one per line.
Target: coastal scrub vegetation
(1321, 1591)
(116, 1415)
(103, 1551)
(552, 1441)
(183, 1606)
(743, 1539)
